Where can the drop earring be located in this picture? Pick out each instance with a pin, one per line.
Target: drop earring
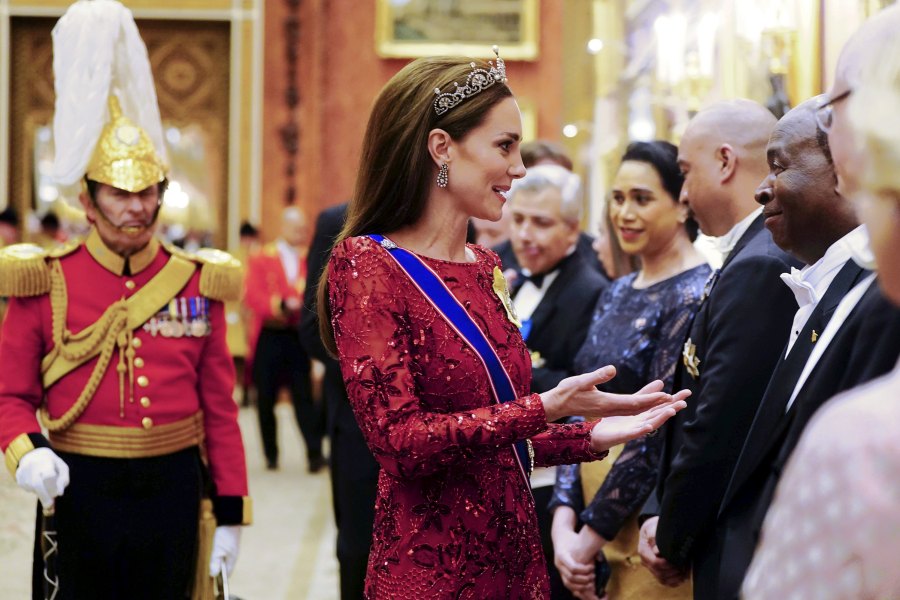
(442, 178)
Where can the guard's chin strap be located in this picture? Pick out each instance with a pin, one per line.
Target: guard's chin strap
(129, 230)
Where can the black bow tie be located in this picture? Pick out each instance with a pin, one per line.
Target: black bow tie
(537, 280)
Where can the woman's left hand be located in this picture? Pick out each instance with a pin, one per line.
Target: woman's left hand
(612, 431)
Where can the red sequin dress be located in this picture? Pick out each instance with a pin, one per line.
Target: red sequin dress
(454, 517)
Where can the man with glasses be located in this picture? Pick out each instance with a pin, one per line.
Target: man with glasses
(861, 340)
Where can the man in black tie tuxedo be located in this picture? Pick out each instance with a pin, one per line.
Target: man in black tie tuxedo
(556, 292)
(539, 153)
(860, 342)
(554, 298)
(732, 348)
(812, 221)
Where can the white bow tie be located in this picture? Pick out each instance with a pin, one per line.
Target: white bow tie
(804, 292)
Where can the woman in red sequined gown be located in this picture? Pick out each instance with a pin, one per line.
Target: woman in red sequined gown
(454, 514)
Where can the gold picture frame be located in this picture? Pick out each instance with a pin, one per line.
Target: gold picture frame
(416, 28)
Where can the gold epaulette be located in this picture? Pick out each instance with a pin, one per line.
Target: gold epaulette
(24, 270)
(270, 249)
(66, 248)
(221, 274)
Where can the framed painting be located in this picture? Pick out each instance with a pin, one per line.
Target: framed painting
(415, 28)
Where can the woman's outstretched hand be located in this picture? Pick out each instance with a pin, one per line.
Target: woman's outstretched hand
(613, 431)
(579, 396)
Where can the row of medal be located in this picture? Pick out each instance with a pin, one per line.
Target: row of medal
(183, 317)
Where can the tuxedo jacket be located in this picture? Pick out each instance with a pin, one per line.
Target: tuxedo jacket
(354, 472)
(866, 346)
(737, 336)
(328, 226)
(583, 247)
(561, 320)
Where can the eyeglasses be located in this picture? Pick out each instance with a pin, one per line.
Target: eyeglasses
(825, 111)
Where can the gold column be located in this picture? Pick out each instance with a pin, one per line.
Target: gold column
(610, 109)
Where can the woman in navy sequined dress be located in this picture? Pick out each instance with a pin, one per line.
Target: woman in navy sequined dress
(454, 517)
(639, 325)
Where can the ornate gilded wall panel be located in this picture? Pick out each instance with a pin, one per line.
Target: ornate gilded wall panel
(190, 62)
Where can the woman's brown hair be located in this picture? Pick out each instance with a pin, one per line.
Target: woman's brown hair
(395, 168)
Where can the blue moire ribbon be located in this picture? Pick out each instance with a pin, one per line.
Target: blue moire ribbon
(450, 308)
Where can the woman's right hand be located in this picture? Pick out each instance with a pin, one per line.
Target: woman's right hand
(579, 396)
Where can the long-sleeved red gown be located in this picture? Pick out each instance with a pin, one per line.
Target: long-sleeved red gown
(454, 517)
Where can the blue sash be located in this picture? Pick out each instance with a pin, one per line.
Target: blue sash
(445, 303)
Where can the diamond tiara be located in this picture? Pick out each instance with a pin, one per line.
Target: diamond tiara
(478, 80)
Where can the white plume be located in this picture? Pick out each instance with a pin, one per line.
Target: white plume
(98, 51)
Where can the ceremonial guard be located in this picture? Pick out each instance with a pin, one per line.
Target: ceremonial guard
(118, 342)
(276, 280)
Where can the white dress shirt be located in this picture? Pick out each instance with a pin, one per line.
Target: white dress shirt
(529, 295)
(709, 248)
(843, 310)
(290, 260)
(862, 255)
(726, 243)
(811, 282)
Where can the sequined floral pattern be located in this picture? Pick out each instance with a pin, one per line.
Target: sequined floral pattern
(454, 515)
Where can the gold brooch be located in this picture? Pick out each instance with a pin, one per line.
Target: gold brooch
(689, 356)
(503, 293)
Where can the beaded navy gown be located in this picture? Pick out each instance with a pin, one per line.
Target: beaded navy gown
(641, 332)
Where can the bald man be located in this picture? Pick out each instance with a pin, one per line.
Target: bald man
(811, 220)
(276, 280)
(853, 440)
(734, 342)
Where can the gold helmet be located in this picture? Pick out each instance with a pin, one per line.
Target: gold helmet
(125, 157)
(106, 123)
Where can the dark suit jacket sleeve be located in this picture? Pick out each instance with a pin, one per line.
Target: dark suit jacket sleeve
(749, 322)
(869, 350)
(571, 322)
(651, 506)
(547, 379)
(328, 226)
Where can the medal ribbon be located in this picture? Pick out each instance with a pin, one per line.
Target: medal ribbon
(445, 303)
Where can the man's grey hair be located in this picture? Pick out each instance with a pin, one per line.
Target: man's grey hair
(566, 182)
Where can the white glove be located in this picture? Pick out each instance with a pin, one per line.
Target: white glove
(226, 544)
(44, 473)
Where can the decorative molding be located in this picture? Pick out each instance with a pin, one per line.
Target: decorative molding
(166, 14)
(234, 129)
(192, 83)
(256, 127)
(4, 102)
(289, 132)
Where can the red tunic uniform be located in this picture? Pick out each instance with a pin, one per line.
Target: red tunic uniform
(454, 515)
(267, 287)
(172, 378)
(278, 357)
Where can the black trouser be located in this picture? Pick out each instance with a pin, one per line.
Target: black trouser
(354, 483)
(280, 359)
(127, 528)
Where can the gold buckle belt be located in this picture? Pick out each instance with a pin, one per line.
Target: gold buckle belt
(129, 442)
